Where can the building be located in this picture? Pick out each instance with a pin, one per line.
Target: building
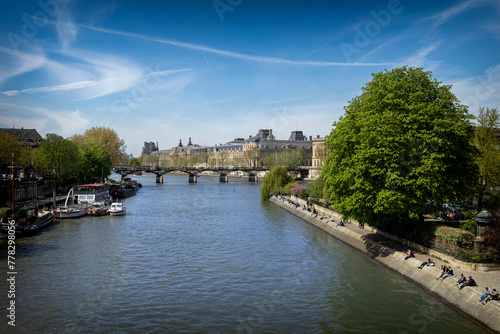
(29, 137)
(240, 152)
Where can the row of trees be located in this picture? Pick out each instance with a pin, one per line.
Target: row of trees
(83, 157)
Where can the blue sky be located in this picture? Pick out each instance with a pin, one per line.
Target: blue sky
(215, 70)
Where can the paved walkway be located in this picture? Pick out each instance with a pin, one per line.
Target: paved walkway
(483, 279)
(490, 279)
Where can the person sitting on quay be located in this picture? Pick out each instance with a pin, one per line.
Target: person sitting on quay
(487, 292)
(448, 274)
(409, 254)
(429, 262)
(444, 271)
(469, 282)
(341, 223)
(460, 280)
(494, 296)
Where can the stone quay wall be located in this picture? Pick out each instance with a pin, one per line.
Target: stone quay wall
(464, 302)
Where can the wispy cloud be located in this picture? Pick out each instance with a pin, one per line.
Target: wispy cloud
(70, 86)
(16, 63)
(419, 58)
(63, 122)
(448, 14)
(232, 54)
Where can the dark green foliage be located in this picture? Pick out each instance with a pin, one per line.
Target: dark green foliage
(60, 156)
(487, 141)
(94, 163)
(402, 149)
(275, 182)
(134, 162)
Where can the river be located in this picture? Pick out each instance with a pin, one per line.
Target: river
(207, 258)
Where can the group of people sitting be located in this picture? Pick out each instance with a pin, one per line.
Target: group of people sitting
(310, 208)
(454, 215)
(447, 271)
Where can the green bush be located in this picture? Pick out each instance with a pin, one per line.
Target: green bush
(454, 238)
(470, 225)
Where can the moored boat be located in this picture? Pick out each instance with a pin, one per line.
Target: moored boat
(70, 210)
(97, 209)
(126, 189)
(117, 209)
(88, 194)
(25, 222)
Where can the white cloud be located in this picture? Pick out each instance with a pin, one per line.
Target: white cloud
(479, 91)
(232, 54)
(15, 63)
(450, 13)
(419, 58)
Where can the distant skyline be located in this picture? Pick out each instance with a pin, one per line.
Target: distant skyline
(160, 71)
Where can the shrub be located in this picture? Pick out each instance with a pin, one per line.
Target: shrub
(454, 238)
(297, 189)
(470, 225)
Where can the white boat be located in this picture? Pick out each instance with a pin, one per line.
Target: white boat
(88, 194)
(117, 209)
(71, 210)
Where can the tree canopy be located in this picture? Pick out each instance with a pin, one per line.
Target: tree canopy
(106, 138)
(94, 164)
(275, 182)
(402, 148)
(22, 153)
(487, 141)
(60, 156)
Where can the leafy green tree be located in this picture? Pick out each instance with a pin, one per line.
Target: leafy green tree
(293, 158)
(275, 182)
(134, 162)
(60, 156)
(402, 148)
(94, 163)
(106, 138)
(271, 161)
(487, 141)
(9, 145)
(316, 188)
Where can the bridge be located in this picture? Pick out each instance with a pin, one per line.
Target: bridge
(194, 172)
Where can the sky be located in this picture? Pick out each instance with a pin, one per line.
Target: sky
(215, 70)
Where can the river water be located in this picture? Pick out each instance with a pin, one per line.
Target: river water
(207, 258)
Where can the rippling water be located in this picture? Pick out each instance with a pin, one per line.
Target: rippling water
(208, 257)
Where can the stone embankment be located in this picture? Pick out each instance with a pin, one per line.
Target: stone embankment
(389, 252)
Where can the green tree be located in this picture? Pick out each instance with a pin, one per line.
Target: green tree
(275, 182)
(487, 141)
(22, 154)
(106, 138)
(293, 158)
(94, 163)
(402, 148)
(60, 156)
(134, 162)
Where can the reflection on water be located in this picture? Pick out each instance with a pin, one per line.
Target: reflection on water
(209, 257)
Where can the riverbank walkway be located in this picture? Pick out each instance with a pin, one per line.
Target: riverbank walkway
(389, 252)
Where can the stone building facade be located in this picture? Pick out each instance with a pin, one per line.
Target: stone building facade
(240, 152)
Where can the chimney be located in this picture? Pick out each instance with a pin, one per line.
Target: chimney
(317, 136)
(310, 138)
